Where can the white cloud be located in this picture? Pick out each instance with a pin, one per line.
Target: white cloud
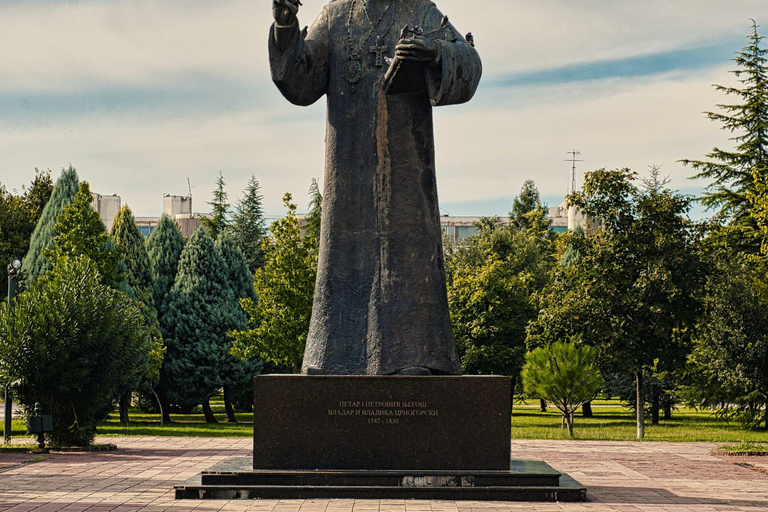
(484, 149)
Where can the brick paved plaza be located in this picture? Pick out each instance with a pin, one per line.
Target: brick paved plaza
(620, 476)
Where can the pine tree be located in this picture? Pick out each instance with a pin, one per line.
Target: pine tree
(131, 245)
(219, 220)
(248, 229)
(315, 215)
(240, 281)
(164, 247)
(35, 262)
(285, 288)
(79, 231)
(732, 171)
(199, 314)
(527, 202)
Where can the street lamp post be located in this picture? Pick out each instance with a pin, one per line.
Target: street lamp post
(13, 271)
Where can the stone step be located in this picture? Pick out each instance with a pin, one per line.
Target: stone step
(493, 493)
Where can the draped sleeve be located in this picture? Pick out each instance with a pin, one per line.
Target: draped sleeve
(300, 65)
(456, 76)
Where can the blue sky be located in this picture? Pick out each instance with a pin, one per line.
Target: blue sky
(140, 95)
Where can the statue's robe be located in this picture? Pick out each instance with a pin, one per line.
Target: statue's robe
(380, 302)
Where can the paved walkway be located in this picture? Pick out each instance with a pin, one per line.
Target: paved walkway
(619, 476)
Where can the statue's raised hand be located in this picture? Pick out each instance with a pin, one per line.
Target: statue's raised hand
(418, 48)
(284, 11)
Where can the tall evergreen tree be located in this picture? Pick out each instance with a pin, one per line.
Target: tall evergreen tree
(80, 231)
(527, 203)
(35, 262)
(164, 247)
(248, 229)
(315, 215)
(219, 220)
(132, 246)
(732, 171)
(240, 281)
(201, 310)
(285, 287)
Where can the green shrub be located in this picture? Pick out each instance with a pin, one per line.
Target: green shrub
(70, 343)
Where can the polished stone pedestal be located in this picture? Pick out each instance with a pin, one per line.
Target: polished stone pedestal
(382, 437)
(524, 481)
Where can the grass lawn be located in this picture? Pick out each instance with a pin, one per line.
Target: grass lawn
(614, 422)
(611, 421)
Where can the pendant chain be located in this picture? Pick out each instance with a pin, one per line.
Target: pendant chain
(355, 52)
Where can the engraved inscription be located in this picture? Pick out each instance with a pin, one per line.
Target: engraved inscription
(383, 412)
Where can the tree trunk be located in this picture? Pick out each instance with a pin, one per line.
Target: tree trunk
(640, 405)
(655, 408)
(667, 410)
(586, 409)
(228, 409)
(209, 417)
(165, 408)
(125, 403)
(543, 405)
(159, 405)
(569, 420)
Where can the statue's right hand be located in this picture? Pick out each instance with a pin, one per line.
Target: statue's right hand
(284, 11)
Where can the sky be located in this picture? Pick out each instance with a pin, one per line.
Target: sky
(142, 95)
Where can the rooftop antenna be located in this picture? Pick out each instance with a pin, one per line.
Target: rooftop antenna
(189, 185)
(574, 154)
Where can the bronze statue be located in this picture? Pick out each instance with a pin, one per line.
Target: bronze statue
(380, 302)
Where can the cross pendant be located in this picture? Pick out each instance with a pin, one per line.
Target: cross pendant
(381, 50)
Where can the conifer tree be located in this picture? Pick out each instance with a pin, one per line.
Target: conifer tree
(315, 215)
(733, 171)
(528, 201)
(219, 220)
(164, 247)
(79, 231)
(131, 245)
(35, 262)
(285, 288)
(200, 312)
(248, 229)
(240, 281)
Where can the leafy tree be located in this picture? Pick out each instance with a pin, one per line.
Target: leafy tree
(240, 281)
(732, 171)
(35, 262)
(201, 310)
(492, 279)
(70, 343)
(248, 229)
(131, 245)
(80, 231)
(285, 288)
(729, 364)
(634, 290)
(527, 202)
(164, 247)
(18, 217)
(314, 217)
(219, 220)
(563, 374)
